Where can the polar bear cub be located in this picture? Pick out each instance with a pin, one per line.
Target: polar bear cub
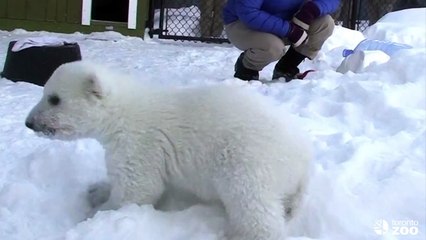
(221, 143)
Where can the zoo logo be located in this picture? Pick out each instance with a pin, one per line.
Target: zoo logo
(381, 227)
(396, 228)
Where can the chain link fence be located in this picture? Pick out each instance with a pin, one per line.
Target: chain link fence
(201, 20)
(359, 14)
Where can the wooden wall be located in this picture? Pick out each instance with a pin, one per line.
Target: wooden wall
(60, 16)
(42, 10)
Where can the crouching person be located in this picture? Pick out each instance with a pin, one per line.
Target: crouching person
(263, 28)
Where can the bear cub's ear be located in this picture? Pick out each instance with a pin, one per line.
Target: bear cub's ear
(94, 87)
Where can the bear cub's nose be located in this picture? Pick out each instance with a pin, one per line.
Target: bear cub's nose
(29, 124)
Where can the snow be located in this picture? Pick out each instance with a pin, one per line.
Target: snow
(368, 130)
(403, 26)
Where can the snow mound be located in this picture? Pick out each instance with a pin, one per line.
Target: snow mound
(398, 27)
(144, 222)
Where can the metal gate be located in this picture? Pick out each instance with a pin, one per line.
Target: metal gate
(359, 14)
(197, 20)
(201, 20)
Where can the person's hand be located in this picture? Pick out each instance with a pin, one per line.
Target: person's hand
(297, 36)
(306, 15)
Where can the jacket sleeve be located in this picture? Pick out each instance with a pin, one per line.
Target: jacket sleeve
(249, 13)
(327, 6)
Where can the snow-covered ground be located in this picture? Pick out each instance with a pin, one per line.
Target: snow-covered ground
(368, 130)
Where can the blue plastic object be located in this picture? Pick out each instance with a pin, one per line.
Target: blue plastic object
(387, 47)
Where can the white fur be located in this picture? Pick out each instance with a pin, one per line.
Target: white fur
(221, 143)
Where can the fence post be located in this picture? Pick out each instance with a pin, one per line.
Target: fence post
(354, 14)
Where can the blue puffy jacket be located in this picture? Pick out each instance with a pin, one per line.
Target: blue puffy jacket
(270, 16)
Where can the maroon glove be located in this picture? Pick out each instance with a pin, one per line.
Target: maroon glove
(297, 36)
(306, 15)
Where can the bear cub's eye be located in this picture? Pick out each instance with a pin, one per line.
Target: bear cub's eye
(54, 100)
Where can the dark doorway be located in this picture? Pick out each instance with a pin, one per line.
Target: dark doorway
(110, 10)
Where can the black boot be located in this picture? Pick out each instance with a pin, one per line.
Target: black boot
(287, 66)
(244, 73)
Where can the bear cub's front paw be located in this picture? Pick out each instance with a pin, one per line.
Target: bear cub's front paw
(98, 194)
